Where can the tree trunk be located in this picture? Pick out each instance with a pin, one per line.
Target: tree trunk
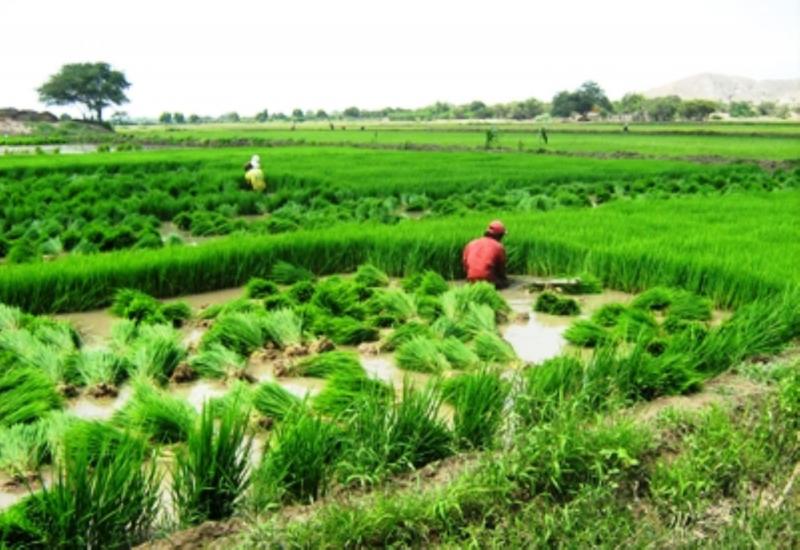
(99, 114)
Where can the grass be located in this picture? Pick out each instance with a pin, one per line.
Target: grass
(274, 401)
(155, 352)
(158, 415)
(212, 473)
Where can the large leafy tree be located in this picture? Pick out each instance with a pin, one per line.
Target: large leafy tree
(93, 85)
(589, 97)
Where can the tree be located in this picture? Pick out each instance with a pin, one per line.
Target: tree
(632, 104)
(93, 85)
(165, 118)
(663, 109)
(194, 119)
(563, 104)
(262, 116)
(297, 115)
(321, 115)
(741, 109)
(588, 97)
(233, 116)
(178, 118)
(767, 108)
(697, 109)
(352, 112)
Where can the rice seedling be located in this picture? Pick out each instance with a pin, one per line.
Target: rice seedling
(274, 401)
(478, 318)
(429, 307)
(176, 313)
(636, 325)
(123, 333)
(155, 352)
(608, 314)
(107, 503)
(586, 284)
(26, 394)
(478, 399)
(371, 276)
(586, 334)
(344, 390)
(24, 349)
(137, 306)
(240, 332)
(338, 297)
(70, 435)
(421, 355)
(283, 328)
(217, 361)
(345, 330)
(212, 472)
(299, 465)
(444, 327)
(56, 334)
(99, 369)
(278, 301)
(327, 364)
(456, 301)
(241, 305)
(406, 332)
(17, 530)
(687, 306)
(431, 284)
(286, 274)
(657, 298)
(395, 305)
(11, 318)
(458, 354)
(302, 291)
(490, 347)
(258, 288)
(160, 416)
(547, 386)
(239, 396)
(24, 448)
(552, 303)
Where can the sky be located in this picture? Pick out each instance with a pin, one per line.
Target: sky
(246, 55)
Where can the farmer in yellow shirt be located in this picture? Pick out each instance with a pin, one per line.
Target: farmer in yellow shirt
(254, 174)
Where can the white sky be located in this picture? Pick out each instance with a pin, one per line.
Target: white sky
(245, 55)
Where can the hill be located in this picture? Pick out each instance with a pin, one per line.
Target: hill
(719, 87)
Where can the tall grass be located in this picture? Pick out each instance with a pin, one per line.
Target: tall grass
(212, 473)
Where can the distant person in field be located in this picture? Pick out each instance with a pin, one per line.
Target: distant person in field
(485, 258)
(543, 135)
(254, 175)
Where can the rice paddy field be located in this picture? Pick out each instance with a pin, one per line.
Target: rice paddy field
(186, 362)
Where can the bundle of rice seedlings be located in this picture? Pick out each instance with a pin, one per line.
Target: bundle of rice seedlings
(431, 284)
(156, 352)
(345, 389)
(299, 464)
(274, 401)
(99, 369)
(410, 283)
(587, 284)
(259, 288)
(98, 503)
(17, 529)
(123, 333)
(286, 274)
(160, 416)
(239, 396)
(393, 304)
(491, 348)
(327, 364)
(458, 355)
(338, 297)
(687, 306)
(421, 355)
(371, 276)
(406, 332)
(478, 399)
(444, 327)
(302, 291)
(23, 448)
(455, 302)
(547, 385)
(586, 334)
(26, 394)
(137, 306)
(212, 472)
(11, 318)
(657, 298)
(283, 327)
(608, 314)
(478, 318)
(95, 437)
(176, 313)
(240, 332)
(636, 325)
(429, 307)
(240, 305)
(56, 334)
(278, 301)
(345, 330)
(24, 349)
(217, 361)
(553, 304)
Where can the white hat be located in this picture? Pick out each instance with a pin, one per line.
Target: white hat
(255, 162)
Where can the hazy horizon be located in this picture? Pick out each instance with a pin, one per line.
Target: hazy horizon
(242, 56)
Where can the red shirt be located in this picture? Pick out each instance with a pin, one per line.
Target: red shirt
(485, 260)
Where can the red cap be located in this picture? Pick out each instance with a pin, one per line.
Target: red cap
(496, 228)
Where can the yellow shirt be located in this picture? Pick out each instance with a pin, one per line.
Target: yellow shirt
(255, 177)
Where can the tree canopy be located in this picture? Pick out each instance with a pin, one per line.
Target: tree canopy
(589, 97)
(93, 85)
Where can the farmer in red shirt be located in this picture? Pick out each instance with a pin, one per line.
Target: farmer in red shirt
(485, 258)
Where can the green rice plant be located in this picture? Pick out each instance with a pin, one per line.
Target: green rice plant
(429, 307)
(421, 355)
(278, 301)
(478, 399)
(11, 318)
(639, 375)
(371, 276)
(240, 332)
(608, 314)
(406, 332)
(99, 368)
(26, 394)
(176, 313)
(382, 438)
(258, 288)
(123, 333)
(325, 365)
(107, 503)
(274, 401)
(60, 335)
(411, 282)
(458, 354)
(396, 305)
(137, 306)
(239, 396)
(338, 297)
(69, 436)
(686, 306)
(217, 361)
(155, 413)
(24, 448)
(283, 327)
(490, 347)
(444, 327)
(547, 386)
(344, 391)
(286, 274)
(456, 301)
(24, 349)
(212, 472)
(241, 305)
(345, 330)
(432, 284)
(586, 334)
(657, 298)
(478, 318)
(302, 291)
(17, 530)
(587, 284)
(635, 325)
(553, 304)
(155, 352)
(299, 464)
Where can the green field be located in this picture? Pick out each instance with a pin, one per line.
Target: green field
(346, 390)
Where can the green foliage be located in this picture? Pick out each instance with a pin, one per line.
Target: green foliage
(93, 85)
(283, 327)
(371, 276)
(325, 365)
(585, 333)
(155, 352)
(478, 399)
(239, 332)
(260, 288)
(552, 303)
(274, 401)
(344, 391)
(99, 366)
(490, 347)
(155, 413)
(608, 314)
(657, 298)
(286, 274)
(458, 354)
(217, 361)
(421, 355)
(405, 333)
(26, 394)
